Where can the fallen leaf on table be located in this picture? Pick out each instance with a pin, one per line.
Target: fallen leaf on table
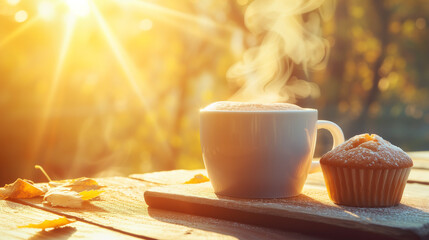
(71, 192)
(21, 188)
(55, 223)
(198, 178)
(63, 197)
(43, 186)
(88, 195)
(78, 184)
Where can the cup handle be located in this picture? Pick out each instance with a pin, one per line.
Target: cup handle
(337, 135)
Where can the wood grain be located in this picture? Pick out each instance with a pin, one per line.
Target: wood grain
(15, 214)
(169, 177)
(122, 208)
(421, 158)
(312, 212)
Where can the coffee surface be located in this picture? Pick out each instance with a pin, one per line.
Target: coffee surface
(246, 106)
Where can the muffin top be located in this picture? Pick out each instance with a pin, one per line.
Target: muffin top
(367, 151)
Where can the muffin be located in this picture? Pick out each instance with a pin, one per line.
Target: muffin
(366, 171)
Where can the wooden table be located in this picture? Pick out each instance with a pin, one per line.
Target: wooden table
(122, 213)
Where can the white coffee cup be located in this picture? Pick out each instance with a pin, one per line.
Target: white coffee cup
(261, 154)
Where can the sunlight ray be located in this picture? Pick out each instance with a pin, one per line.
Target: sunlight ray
(18, 31)
(219, 42)
(159, 13)
(178, 15)
(120, 55)
(127, 66)
(40, 130)
(21, 29)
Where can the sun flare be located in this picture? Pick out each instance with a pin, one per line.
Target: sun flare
(73, 15)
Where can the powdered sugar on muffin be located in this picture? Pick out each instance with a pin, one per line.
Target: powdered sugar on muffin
(367, 151)
(246, 106)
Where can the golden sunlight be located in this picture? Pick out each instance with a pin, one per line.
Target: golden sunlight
(114, 86)
(179, 16)
(187, 23)
(13, 2)
(18, 31)
(53, 91)
(46, 10)
(78, 7)
(129, 69)
(145, 24)
(21, 16)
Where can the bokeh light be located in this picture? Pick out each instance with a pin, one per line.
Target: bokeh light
(46, 10)
(145, 24)
(21, 16)
(420, 23)
(13, 2)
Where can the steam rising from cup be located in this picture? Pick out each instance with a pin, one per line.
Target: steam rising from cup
(291, 35)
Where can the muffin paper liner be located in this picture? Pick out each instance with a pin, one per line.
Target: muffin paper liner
(365, 187)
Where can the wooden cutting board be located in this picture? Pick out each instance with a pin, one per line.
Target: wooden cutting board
(311, 212)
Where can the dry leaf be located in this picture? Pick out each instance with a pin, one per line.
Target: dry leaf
(88, 195)
(55, 223)
(78, 184)
(63, 197)
(198, 178)
(70, 193)
(44, 187)
(20, 189)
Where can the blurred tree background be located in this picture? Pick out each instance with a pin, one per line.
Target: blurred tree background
(109, 87)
